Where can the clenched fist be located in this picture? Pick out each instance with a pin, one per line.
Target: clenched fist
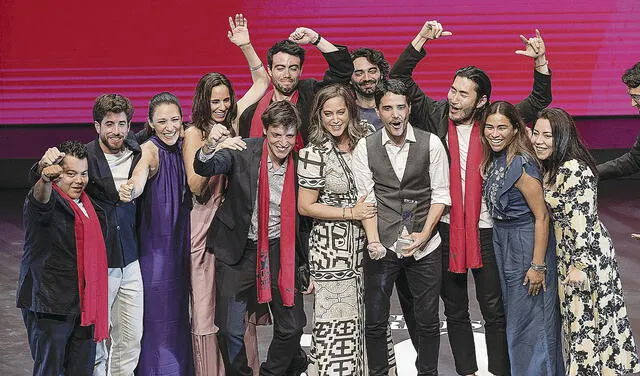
(51, 173)
(126, 191)
(52, 156)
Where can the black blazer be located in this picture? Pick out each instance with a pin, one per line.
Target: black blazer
(433, 116)
(228, 234)
(627, 164)
(340, 70)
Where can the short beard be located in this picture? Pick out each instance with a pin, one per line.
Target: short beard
(105, 142)
(365, 93)
(283, 91)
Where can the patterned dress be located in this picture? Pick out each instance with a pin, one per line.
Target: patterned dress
(335, 259)
(595, 324)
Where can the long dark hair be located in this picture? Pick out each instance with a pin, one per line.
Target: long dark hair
(355, 129)
(520, 145)
(567, 144)
(201, 110)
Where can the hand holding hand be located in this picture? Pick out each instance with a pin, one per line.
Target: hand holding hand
(534, 47)
(51, 173)
(232, 143)
(52, 156)
(376, 250)
(363, 210)
(126, 191)
(433, 30)
(239, 33)
(303, 35)
(536, 279)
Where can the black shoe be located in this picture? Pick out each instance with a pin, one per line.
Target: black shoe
(299, 364)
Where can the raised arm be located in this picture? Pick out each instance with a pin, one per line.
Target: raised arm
(423, 108)
(144, 170)
(239, 35)
(540, 96)
(337, 57)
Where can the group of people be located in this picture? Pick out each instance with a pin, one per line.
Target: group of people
(160, 252)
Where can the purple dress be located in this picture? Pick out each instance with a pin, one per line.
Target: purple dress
(164, 263)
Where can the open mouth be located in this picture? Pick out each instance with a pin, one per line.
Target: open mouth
(219, 114)
(169, 134)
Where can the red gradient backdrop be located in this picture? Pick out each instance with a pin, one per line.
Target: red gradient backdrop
(56, 57)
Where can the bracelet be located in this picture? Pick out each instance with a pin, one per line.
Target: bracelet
(538, 268)
(208, 148)
(253, 69)
(315, 43)
(242, 45)
(343, 212)
(542, 65)
(351, 212)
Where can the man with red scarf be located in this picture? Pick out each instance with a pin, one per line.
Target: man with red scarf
(254, 236)
(62, 289)
(284, 65)
(467, 227)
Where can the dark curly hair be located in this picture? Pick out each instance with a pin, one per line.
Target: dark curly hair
(114, 103)
(287, 47)
(73, 148)
(631, 77)
(375, 57)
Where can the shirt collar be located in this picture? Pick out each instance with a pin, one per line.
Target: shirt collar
(410, 137)
(283, 168)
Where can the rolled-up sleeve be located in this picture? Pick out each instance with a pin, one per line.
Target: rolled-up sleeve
(361, 171)
(438, 172)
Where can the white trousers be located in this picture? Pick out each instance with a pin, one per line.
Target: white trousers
(125, 318)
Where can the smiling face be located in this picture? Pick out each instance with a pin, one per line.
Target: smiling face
(365, 77)
(285, 72)
(542, 139)
(74, 177)
(335, 116)
(394, 110)
(220, 103)
(167, 122)
(280, 142)
(499, 132)
(111, 132)
(463, 100)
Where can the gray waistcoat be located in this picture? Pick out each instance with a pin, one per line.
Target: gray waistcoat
(390, 192)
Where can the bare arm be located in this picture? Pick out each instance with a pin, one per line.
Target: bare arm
(532, 191)
(193, 141)
(239, 35)
(146, 168)
(42, 188)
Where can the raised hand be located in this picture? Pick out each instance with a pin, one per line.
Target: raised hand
(52, 156)
(126, 191)
(217, 134)
(363, 210)
(303, 35)
(232, 143)
(51, 173)
(239, 33)
(433, 30)
(534, 47)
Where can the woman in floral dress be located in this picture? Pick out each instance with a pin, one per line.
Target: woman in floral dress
(595, 325)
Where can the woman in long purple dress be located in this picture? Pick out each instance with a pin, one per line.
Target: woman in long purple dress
(164, 243)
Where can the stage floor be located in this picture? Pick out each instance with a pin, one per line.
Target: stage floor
(619, 205)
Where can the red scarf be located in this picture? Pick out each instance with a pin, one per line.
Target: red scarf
(286, 278)
(256, 122)
(91, 256)
(464, 237)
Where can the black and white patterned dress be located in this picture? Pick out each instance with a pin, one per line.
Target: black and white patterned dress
(594, 318)
(335, 258)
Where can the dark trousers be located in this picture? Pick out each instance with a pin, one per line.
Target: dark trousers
(423, 280)
(456, 308)
(235, 289)
(59, 345)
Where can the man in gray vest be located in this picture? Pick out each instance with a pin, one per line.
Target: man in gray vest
(411, 197)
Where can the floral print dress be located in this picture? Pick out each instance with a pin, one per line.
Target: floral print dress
(594, 318)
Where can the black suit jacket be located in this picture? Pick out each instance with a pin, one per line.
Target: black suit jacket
(228, 234)
(627, 164)
(433, 116)
(340, 70)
